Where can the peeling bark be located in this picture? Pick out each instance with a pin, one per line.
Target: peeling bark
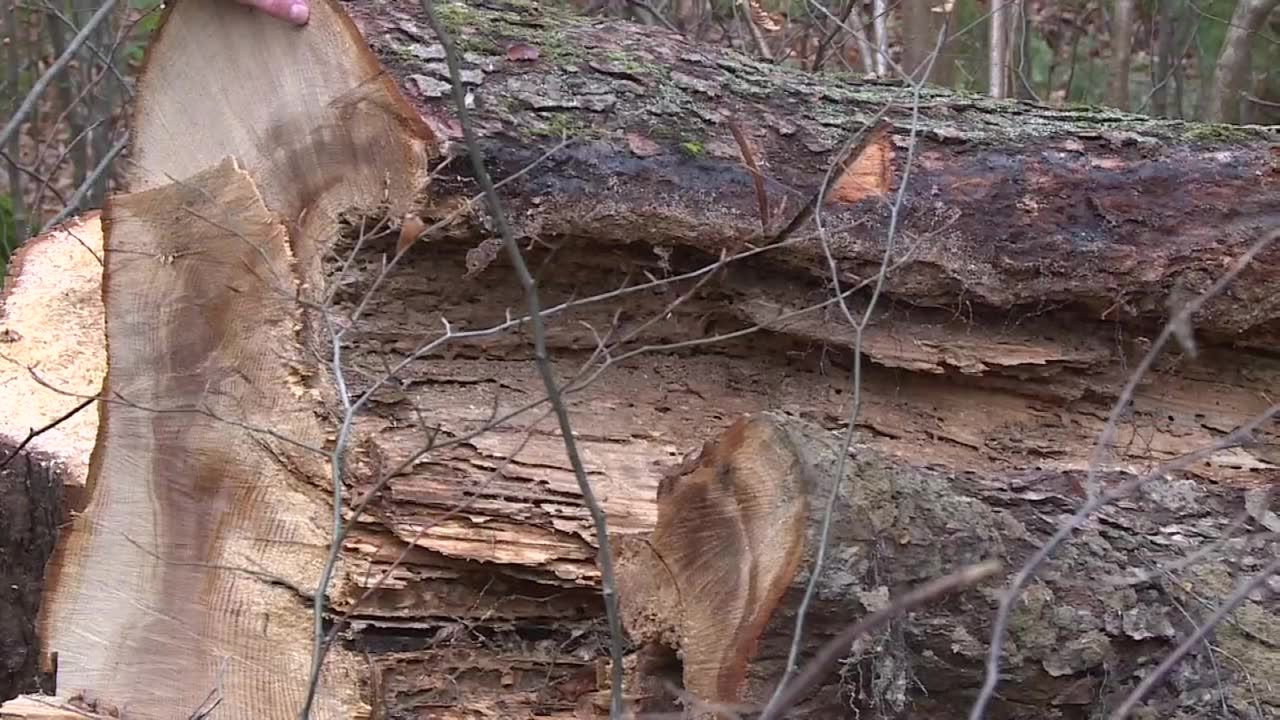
(1045, 246)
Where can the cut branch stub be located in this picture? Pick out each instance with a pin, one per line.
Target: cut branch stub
(732, 533)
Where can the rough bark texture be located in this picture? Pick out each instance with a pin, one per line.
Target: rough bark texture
(1044, 246)
(738, 529)
(30, 512)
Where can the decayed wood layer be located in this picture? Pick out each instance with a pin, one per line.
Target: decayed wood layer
(1015, 437)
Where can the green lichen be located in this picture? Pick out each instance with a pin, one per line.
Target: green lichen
(693, 149)
(555, 46)
(563, 124)
(460, 19)
(836, 101)
(404, 53)
(479, 44)
(478, 30)
(1213, 133)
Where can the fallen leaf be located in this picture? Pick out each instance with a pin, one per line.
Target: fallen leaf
(642, 146)
(410, 229)
(522, 52)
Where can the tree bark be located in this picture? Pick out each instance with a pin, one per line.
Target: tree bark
(722, 576)
(1044, 247)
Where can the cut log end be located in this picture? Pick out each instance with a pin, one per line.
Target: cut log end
(51, 352)
(731, 533)
(51, 366)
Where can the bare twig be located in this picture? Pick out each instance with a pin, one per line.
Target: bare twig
(749, 159)
(498, 213)
(72, 204)
(37, 90)
(33, 434)
(820, 54)
(859, 325)
(838, 646)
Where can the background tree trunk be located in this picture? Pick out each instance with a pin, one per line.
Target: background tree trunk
(1167, 57)
(1037, 251)
(998, 48)
(919, 35)
(1231, 74)
(1121, 48)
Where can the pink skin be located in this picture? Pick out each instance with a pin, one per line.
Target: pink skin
(293, 11)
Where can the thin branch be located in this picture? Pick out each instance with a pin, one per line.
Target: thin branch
(1011, 594)
(498, 213)
(837, 647)
(37, 90)
(1235, 600)
(33, 434)
(73, 203)
(1181, 319)
(859, 325)
(749, 159)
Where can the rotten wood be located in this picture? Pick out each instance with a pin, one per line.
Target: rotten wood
(1044, 248)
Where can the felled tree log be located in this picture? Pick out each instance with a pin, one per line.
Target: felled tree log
(722, 576)
(1044, 249)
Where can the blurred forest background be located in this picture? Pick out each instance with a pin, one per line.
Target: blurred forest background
(70, 67)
